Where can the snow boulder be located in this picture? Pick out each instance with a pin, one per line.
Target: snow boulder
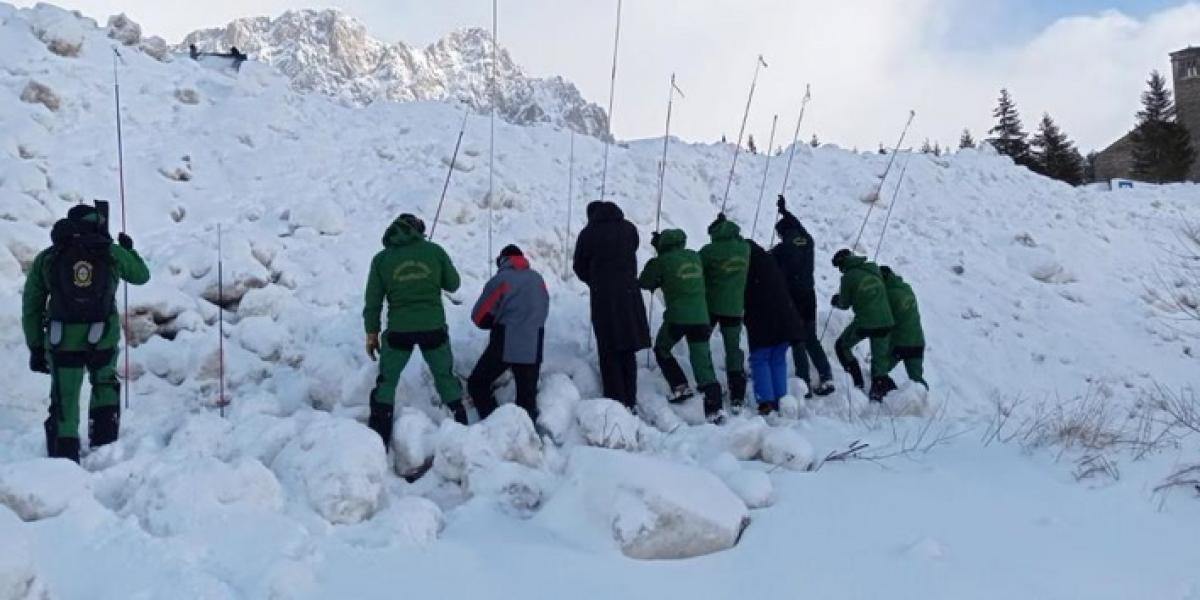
(744, 437)
(753, 487)
(327, 218)
(43, 487)
(19, 578)
(507, 435)
(557, 399)
(61, 31)
(783, 446)
(338, 465)
(608, 424)
(123, 29)
(414, 442)
(651, 508)
(189, 493)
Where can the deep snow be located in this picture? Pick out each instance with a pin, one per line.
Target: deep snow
(1029, 289)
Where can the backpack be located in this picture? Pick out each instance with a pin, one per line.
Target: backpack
(81, 273)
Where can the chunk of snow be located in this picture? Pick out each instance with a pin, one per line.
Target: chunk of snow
(124, 30)
(61, 31)
(414, 442)
(506, 435)
(785, 447)
(753, 487)
(42, 488)
(19, 576)
(608, 424)
(338, 465)
(322, 215)
(179, 496)
(744, 437)
(36, 92)
(557, 399)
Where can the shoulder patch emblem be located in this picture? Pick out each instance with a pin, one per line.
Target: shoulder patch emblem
(82, 273)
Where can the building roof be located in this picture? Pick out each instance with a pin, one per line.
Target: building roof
(1189, 52)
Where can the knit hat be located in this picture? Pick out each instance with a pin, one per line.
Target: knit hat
(840, 256)
(511, 250)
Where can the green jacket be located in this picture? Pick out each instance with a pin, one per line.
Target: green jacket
(410, 273)
(726, 262)
(862, 289)
(680, 274)
(907, 333)
(127, 265)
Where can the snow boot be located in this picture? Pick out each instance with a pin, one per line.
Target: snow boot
(880, 386)
(855, 374)
(737, 388)
(104, 425)
(67, 448)
(459, 411)
(712, 401)
(767, 409)
(380, 422)
(681, 394)
(824, 388)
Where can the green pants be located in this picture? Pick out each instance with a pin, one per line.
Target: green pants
(698, 353)
(397, 348)
(914, 362)
(66, 381)
(881, 348)
(731, 336)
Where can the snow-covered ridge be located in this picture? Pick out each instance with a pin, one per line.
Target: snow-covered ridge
(1028, 289)
(331, 53)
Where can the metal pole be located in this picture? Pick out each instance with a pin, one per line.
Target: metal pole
(745, 115)
(570, 201)
(221, 402)
(766, 169)
(492, 137)
(662, 176)
(892, 205)
(612, 87)
(450, 171)
(121, 180)
(787, 173)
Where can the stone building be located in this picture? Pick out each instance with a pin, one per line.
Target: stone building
(1116, 161)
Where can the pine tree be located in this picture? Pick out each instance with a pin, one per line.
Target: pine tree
(1162, 148)
(966, 141)
(1055, 155)
(882, 150)
(926, 147)
(723, 139)
(815, 141)
(1010, 138)
(1089, 167)
(750, 145)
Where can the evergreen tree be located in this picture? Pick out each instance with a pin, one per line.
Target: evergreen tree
(937, 148)
(815, 142)
(750, 145)
(1010, 138)
(966, 141)
(882, 150)
(1162, 148)
(723, 139)
(1089, 167)
(1055, 155)
(926, 147)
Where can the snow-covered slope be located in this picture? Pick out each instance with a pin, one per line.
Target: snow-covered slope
(1029, 290)
(331, 53)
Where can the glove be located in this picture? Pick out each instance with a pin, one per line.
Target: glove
(125, 241)
(654, 239)
(781, 203)
(38, 362)
(460, 412)
(372, 345)
(836, 300)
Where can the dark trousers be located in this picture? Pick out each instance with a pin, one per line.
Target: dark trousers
(618, 375)
(810, 347)
(489, 368)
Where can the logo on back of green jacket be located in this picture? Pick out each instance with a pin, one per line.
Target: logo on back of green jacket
(689, 271)
(732, 265)
(411, 270)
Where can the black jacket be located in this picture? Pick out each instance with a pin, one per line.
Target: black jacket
(606, 260)
(794, 253)
(771, 318)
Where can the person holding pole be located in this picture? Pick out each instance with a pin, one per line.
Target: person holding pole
(862, 289)
(71, 324)
(772, 326)
(606, 261)
(795, 256)
(726, 262)
(410, 274)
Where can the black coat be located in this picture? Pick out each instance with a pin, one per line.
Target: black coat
(606, 260)
(794, 253)
(771, 318)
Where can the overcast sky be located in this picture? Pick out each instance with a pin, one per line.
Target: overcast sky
(869, 61)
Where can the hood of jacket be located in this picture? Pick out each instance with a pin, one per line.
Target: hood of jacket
(723, 229)
(400, 234)
(516, 263)
(600, 211)
(788, 224)
(859, 262)
(670, 239)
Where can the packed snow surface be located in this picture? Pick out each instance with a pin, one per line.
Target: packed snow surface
(1031, 292)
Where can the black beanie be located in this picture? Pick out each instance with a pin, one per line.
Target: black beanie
(840, 256)
(511, 250)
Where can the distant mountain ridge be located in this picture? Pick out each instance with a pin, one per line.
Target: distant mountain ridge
(331, 53)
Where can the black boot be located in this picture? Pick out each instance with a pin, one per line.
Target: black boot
(880, 386)
(737, 388)
(380, 422)
(459, 411)
(712, 401)
(855, 374)
(104, 425)
(67, 448)
(51, 428)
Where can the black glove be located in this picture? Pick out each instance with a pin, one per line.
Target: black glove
(781, 203)
(836, 300)
(125, 241)
(654, 239)
(460, 412)
(38, 362)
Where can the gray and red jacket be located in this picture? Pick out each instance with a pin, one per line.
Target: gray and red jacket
(516, 302)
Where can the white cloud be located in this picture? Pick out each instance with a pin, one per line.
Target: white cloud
(869, 61)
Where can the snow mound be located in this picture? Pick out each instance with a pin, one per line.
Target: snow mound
(557, 401)
(42, 488)
(414, 442)
(61, 31)
(744, 437)
(19, 577)
(405, 521)
(338, 466)
(753, 487)
(186, 495)
(785, 447)
(608, 424)
(649, 507)
(507, 435)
